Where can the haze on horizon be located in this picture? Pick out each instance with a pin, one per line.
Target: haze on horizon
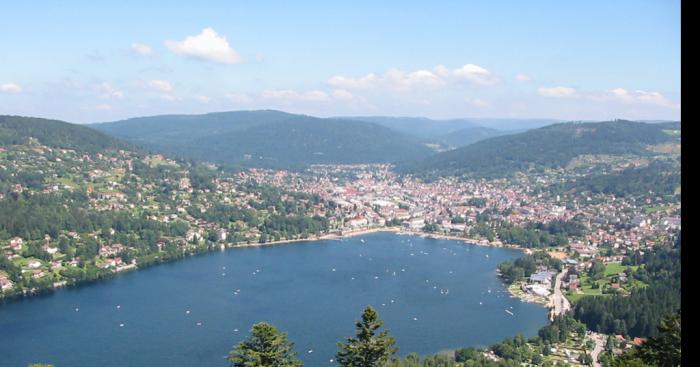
(592, 60)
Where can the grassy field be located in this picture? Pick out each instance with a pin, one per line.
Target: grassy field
(611, 270)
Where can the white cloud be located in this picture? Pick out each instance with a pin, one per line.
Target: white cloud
(10, 88)
(475, 74)
(288, 95)
(238, 98)
(342, 94)
(103, 107)
(367, 81)
(203, 99)
(638, 96)
(558, 92)
(478, 102)
(161, 85)
(169, 97)
(141, 49)
(522, 77)
(108, 92)
(291, 95)
(208, 45)
(439, 76)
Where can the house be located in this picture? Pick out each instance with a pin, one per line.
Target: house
(640, 221)
(16, 243)
(416, 224)
(34, 264)
(357, 222)
(222, 234)
(542, 277)
(559, 255)
(5, 284)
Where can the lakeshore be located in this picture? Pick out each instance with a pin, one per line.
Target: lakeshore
(329, 236)
(228, 291)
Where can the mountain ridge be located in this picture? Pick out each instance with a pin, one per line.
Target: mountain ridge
(548, 147)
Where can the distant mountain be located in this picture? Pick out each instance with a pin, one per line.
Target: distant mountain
(420, 127)
(166, 131)
(551, 146)
(514, 124)
(268, 139)
(429, 129)
(469, 135)
(15, 130)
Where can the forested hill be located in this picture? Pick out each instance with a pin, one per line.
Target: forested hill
(268, 139)
(430, 129)
(16, 130)
(470, 135)
(548, 147)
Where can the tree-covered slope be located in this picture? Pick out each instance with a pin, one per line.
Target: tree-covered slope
(268, 139)
(429, 129)
(419, 127)
(15, 130)
(470, 135)
(165, 131)
(548, 147)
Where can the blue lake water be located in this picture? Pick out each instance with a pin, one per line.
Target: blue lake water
(445, 294)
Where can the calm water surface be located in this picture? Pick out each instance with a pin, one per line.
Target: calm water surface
(445, 295)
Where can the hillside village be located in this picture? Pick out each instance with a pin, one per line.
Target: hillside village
(118, 210)
(206, 208)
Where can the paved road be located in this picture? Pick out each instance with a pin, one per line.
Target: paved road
(600, 341)
(558, 302)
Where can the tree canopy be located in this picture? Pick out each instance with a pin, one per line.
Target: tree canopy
(367, 349)
(265, 347)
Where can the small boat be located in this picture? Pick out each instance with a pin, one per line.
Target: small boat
(509, 312)
(362, 240)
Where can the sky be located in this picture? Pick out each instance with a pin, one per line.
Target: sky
(96, 61)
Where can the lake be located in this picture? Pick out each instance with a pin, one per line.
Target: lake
(433, 295)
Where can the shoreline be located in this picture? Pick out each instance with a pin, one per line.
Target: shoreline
(329, 236)
(223, 247)
(396, 230)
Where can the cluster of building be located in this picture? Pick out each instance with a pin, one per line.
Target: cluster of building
(352, 198)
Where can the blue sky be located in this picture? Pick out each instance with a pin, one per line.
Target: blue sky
(88, 61)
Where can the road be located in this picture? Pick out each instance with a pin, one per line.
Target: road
(600, 341)
(558, 303)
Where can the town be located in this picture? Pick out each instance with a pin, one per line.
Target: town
(146, 208)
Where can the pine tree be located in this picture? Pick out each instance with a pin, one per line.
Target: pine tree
(665, 349)
(265, 347)
(367, 349)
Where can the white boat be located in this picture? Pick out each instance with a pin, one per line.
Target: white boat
(509, 312)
